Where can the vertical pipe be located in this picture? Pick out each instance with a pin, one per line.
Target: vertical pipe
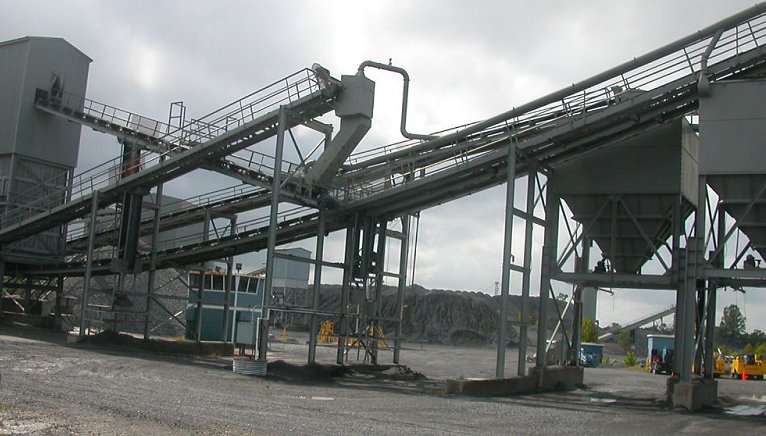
(550, 247)
(89, 262)
(399, 309)
(272, 237)
(229, 285)
(317, 287)
(502, 334)
(527, 275)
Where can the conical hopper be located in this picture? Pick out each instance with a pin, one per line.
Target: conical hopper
(742, 197)
(624, 194)
(732, 146)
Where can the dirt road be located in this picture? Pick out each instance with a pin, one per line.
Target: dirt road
(51, 387)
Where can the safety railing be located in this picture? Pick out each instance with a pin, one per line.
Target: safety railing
(193, 133)
(79, 230)
(566, 107)
(249, 228)
(247, 108)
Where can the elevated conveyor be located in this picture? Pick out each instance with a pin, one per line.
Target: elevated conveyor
(184, 161)
(160, 138)
(616, 104)
(632, 325)
(226, 202)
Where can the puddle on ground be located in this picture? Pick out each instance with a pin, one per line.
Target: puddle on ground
(746, 410)
(759, 398)
(602, 400)
(322, 398)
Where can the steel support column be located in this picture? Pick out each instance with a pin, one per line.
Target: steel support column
(502, 328)
(230, 284)
(700, 230)
(314, 331)
(153, 256)
(89, 262)
(527, 275)
(272, 237)
(349, 258)
(201, 290)
(59, 293)
(380, 269)
(399, 309)
(712, 292)
(582, 267)
(550, 248)
(685, 310)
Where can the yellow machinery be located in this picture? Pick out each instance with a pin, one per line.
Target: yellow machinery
(720, 364)
(326, 332)
(747, 366)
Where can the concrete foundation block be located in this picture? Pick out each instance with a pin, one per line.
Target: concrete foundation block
(553, 378)
(72, 338)
(695, 395)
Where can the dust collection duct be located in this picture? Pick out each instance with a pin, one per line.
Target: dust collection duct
(624, 194)
(732, 132)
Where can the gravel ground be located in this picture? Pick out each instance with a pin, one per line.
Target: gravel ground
(51, 387)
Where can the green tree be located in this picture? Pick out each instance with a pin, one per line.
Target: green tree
(761, 350)
(630, 359)
(748, 349)
(756, 337)
(624, 340)
(731, 330)
(726, 350)
(589, 331)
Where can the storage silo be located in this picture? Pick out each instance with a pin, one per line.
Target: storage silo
(732, 131)
(624, 194)
(38, 151)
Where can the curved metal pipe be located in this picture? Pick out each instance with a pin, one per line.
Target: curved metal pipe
(703, 85)
(405, 94)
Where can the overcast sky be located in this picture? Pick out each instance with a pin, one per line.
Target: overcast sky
(467, 61)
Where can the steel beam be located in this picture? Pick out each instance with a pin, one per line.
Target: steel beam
(272, 236)
(352, 233)
(502, 339)
(230, 284)
(399, 309)
(526, 275)
(153, 256)
(314, 329)
(550, 248)
(89, 264)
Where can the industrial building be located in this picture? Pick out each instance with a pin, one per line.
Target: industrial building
(637, 153)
